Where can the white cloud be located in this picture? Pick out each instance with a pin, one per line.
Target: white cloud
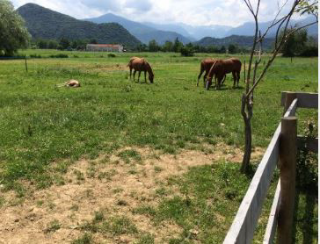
(199, 12)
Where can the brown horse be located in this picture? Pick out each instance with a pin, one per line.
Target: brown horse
(233, 65)
(217, 70)
(222, 67)
(205, 65)
(140, 64)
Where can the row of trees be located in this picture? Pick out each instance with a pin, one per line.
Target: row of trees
(63, 44)
(298, 44)
(178, 46)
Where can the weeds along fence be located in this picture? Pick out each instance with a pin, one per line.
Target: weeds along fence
(283, 148)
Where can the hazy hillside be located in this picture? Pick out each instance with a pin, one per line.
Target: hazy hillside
(143, 32)
(174, 27)
(241, 41)
(221, 31)
(247, 29)
(194, 32)
(47, 24)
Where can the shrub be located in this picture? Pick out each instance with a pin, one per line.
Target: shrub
(187, 52)
(35, 56)
(311, 51)
(61, 55)
(111, 55)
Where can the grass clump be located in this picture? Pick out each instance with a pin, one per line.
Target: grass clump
(117, 225)
(146, 239)
(53, 226)
(127, 155)
(85, 239)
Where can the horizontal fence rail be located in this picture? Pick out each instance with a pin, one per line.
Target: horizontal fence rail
(273, 218)
(305, 100)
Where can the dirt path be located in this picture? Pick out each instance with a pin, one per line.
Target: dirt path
(115, 187)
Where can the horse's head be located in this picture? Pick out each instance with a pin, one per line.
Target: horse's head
(151, 77)
(208, 82)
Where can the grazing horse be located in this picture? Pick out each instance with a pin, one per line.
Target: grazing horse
(222, 67)
(140, 64)
(205, 65)
(233, 65)
(217, 70)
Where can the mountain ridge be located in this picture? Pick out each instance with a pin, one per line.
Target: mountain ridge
(45, 23)
(141, 31)
(241, 41)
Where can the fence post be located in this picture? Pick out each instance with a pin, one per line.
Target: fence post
(290, 96)
(25, 63)
(287, 165)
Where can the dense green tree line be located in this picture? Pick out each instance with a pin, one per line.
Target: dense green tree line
(189, 49)
(62, 44)
(299, 44)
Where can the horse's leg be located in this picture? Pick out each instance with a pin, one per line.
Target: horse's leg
(234, 74)
(205, 78)
(134, 75)
(199, 76)
(208, 84)
(219, 82)
(139, 76)
(216, 82)
(145, 76)
(238, 78)
(223, 79)
(219, 79)
(130, 72)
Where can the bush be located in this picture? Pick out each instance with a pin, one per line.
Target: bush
(111, 55)
(310, 52)
(187, 52)
(59, 56)
(35, 56)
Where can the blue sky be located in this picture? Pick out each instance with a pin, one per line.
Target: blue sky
(193, 12)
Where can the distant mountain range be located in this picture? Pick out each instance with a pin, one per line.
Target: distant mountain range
(248, 28)
(194, 32)
(109, 28)
(47, 24)
(242, 41)
(141, 31)
(186, 33)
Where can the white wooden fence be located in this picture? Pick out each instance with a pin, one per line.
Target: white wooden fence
(245, 222)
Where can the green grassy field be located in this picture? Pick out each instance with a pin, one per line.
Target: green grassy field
(42, 124)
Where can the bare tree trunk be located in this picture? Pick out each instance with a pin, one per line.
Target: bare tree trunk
(282, 23)
(246, 111)
(247, 149)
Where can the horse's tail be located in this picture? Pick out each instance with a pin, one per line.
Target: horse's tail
(202, 68)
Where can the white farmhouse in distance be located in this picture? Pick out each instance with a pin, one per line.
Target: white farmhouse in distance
(104, 48)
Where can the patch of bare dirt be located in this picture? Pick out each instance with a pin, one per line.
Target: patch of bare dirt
(114, 185)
